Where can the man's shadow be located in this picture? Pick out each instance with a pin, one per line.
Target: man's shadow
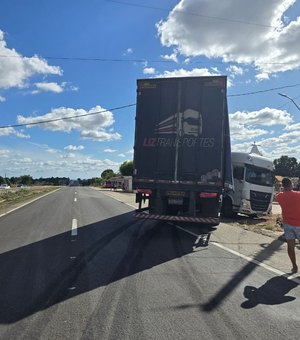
(273, 292)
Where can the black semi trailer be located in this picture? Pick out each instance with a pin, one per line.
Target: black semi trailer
(182, 157)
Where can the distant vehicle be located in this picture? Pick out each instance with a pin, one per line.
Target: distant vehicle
(182, 161)
(108, 184)
(253, 186)
(73, 183)
(4, 186)
(20, 186)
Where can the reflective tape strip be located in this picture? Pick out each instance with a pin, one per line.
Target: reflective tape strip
(176, 218)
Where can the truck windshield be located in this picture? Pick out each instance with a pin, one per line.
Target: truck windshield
(259, 176)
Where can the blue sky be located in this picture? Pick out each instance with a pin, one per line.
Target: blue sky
(66, 58)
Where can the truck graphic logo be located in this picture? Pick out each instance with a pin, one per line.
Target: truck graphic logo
(187, 123)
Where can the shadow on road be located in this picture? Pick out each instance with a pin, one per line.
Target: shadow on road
(231, 285)
(45, 273)
(40, 275)
(273, 292)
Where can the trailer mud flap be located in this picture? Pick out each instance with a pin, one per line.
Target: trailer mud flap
(145, 215)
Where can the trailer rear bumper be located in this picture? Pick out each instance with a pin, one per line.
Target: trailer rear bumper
(206, 220)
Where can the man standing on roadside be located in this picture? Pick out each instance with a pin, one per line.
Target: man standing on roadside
(289, 200)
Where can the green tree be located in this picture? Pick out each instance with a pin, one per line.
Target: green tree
(126, 168)
(25, 179)
(286, 166)
(297, 173)
(108, 173)
(96, 181)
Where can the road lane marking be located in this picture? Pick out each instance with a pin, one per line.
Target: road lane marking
(116, 199)
(75, 199)
(74, 227)
(33, 200)
(183, 229)
(247, 258)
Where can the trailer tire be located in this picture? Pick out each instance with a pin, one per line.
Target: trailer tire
(227, 208)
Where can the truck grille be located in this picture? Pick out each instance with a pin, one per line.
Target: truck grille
(259, 200)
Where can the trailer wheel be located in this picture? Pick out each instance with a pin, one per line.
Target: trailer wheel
(227, 209)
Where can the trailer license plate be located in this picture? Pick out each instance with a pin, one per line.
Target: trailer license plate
(175, 201)
(176, 193)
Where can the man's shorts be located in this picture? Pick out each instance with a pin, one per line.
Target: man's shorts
(291, 232)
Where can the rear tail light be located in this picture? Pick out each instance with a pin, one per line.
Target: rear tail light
(208, 194)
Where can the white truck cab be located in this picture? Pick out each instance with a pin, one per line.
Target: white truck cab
(253, 189)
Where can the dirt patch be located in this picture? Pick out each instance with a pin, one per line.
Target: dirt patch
(266, 225)
(13, 198)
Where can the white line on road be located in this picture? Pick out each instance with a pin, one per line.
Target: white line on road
(33, 200)
(183, 229)
(250, 259)
(75, 199)
(247, 258)
(74, 227)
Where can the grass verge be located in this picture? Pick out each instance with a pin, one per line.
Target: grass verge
(12, 198)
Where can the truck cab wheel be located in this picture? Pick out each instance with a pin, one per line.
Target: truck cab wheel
(227, 209)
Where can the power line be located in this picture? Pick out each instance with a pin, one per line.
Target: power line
(262, 91)
(191, 13)
(89, 59)
(129, 60)
(131, 105)
(65, 118)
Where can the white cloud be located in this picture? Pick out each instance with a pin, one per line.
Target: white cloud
(130, 152)
(235, 70)
(2, 99)
(50, 87)
(172, 57)
(15, 70)
(284, 144)
(109, 150)
(54, 87)
(149, 70)
(73, 88)
(284, 139)
(266, 116)
(100, 135)
(239, 132)
(262, 76)
(9, 131)
(4, 153)
(53, 151)
(248, 125)
(121, 155)
(74, 147)
(129, 51)
(34, 159)
(248, 32)
(186, 73)
(92, 124)
(68, 155)
(274, 147)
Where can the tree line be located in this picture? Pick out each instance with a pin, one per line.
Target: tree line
(287, 167)
(284, 166)
(125, 169)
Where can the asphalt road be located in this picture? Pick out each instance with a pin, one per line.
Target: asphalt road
(77, 265)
